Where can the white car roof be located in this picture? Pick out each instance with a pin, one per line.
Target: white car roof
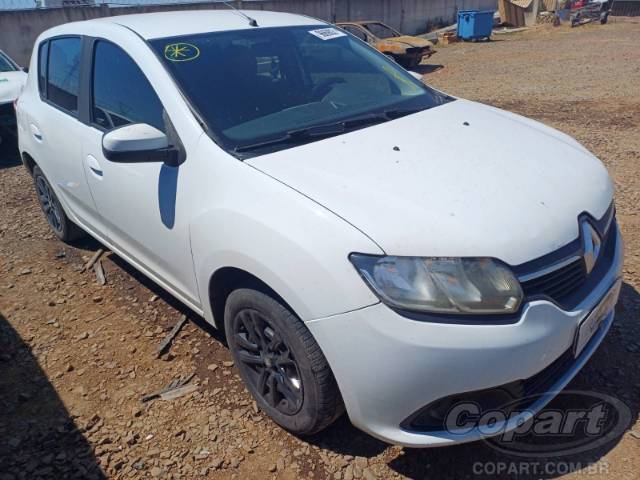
(172, 24)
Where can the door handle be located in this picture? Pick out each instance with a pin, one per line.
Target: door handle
(94, 166)
(35, 131)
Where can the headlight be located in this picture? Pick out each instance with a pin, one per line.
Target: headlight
(441, 285)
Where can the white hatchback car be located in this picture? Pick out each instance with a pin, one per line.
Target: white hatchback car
(366, 241)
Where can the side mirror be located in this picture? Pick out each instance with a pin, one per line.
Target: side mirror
(25, 69)
(416, 75)
(138, 143)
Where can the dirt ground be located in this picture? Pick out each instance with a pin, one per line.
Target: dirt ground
(76, 357)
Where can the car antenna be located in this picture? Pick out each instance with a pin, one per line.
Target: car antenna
(252, 21)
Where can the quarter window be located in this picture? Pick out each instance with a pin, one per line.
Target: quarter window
(121, 93)
(43, 57)
(63, 73)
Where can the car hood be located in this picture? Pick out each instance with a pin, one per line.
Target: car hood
(410, 41)
(461, 179)
(11, 84)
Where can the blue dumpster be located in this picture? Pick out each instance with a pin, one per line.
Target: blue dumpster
(475, 24)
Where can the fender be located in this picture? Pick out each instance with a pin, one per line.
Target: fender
(297, 247)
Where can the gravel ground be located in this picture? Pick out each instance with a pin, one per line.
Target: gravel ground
(76, 357)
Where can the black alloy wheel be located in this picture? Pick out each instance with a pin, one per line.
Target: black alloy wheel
(49, 203)
(280, 361)
(56, 217)
(268, 361)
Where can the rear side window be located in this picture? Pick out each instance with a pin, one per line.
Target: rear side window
(63, 73)
(121, 93)
(43, 58)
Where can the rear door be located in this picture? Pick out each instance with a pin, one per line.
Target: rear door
(137, 201)
(55, 127)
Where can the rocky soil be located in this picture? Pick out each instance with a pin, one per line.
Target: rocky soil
(76, 357)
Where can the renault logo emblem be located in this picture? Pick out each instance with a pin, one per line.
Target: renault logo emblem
(591, 243)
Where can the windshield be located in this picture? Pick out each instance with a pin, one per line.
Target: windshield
(258, 90)
(380, 30)
(6, 65)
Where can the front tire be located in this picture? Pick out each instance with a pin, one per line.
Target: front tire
(56, 217)
(280, 362)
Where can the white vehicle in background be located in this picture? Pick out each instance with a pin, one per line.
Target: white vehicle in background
(12, 81)
(366, 242)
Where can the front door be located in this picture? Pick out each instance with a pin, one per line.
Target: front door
(137, 201)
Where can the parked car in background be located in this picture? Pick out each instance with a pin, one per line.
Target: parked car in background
(585, 11)
(579, 12)
(408, 51)
(366, 242)
(12, 80)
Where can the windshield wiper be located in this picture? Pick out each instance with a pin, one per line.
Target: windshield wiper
(302, 135)
(295, 137)
(401, 112)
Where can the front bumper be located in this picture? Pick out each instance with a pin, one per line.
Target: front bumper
(415, 55)
(388, 367)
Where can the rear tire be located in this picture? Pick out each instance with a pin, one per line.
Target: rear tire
(57, 219)
(280, 362)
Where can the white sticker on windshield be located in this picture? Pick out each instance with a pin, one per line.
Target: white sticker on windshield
(327, 33)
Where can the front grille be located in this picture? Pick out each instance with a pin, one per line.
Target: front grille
(569, 283)
(558, 284)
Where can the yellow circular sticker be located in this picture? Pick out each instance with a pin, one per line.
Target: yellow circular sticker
(181, 52)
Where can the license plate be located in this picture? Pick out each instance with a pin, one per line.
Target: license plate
(592, 323)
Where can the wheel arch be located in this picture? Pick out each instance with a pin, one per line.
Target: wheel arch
(28, 161)
(227, 279)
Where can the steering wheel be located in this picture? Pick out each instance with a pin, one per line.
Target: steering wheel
(322, 89)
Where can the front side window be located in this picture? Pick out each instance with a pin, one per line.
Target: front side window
(63, 73)
(6, 64)
(121, 93)
(261, 90)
